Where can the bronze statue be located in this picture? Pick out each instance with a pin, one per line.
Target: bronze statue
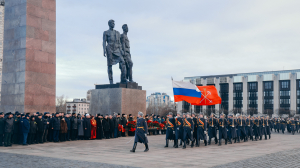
(113, 51)
(127, 55)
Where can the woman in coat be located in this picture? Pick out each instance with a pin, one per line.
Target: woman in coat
(93, 128)
(80, 128)
(63, 129)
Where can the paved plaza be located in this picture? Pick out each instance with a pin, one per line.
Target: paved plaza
(282, 150)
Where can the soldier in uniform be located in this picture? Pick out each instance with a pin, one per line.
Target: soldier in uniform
(241, 129)
(249, 126)
(46, 118)
(231, 134)
(256, 128)
(268, 126)
(222, 123)
(278, 121)
(188, 128)
(141, 132)
(179, 130)
(212, 129)
(293, 125)
(8, 128)
(263, 128)
(201, 130)
(113, 51)
(170, 129)
(1, 128)
(283, 124)
(194, 117)
(297, 124)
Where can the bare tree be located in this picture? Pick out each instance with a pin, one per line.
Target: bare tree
(61, 104)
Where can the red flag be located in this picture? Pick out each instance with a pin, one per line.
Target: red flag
(209, 96)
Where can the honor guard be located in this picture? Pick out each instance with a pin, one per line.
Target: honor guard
(212, 129)
(188, 128)
(293, 125)
(268, 126)
(194, 117)
(170, 134)
(222, 122)
(201, 130)
(256, 128)
(141, 132)
(231, 134)
(249, 126)
(283, 124)
(179, 130)
(241, 129)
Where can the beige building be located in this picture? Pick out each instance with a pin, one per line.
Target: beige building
(78, 106)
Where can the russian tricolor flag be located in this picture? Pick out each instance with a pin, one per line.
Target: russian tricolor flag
(185, 91)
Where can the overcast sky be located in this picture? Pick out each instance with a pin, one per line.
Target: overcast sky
(175, 38)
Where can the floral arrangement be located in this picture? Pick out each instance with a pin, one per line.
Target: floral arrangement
(162, 126)
(131, 125)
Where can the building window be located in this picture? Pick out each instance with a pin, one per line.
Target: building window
(238, 87)
(268, 93)
(268, 85)
(284, 84)
(298, 92)
(252, 86)
(285, 93)
(285, 101)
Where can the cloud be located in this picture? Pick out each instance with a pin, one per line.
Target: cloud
(175, 38)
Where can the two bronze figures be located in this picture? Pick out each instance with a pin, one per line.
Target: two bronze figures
(116, 48)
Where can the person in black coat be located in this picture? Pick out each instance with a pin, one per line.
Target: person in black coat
(123, 123)
(99, 133)
(32, 132)
(25, 124)
(46, 119)
(40, 128)
(55, 127)
(16, 135)
(74, 127)
(111, 126)
(67, 118)
(106, 127)
(8, 128)
(1, 128)
(87, 127)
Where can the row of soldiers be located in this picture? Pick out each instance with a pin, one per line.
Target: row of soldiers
(192, 128)
(291, 124)
(29, 129)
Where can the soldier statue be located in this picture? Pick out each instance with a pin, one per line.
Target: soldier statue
(127, 55)
(113, 51)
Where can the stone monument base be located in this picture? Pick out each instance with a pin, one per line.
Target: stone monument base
(119, 98)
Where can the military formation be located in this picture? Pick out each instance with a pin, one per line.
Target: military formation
(189, 129)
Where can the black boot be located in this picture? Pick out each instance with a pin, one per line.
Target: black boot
(260, 138)
(167, 143)
(205, 142)
(234, 140)
(216, 140)
(146, 147)
(209, 141)
(266, 137)
(238, 140)
(176, 142)
(180, 143)
(193, 142)
(220, 142)
(188, 142)
(230, 142)
(184, 145)
(270, 136)
(225, 141)
(134, 147)
(197, 143)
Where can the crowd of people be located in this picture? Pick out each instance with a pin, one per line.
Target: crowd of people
(233, 129)
(26, 129)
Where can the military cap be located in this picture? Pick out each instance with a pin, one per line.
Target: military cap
(1, 113)
(170, 113)
(130, 115)
(27, 115)
(146, 115)
(40, 114)
(123, 114)
(118, 113)
(106, 114)
(37, 113)
(101, 115)
(183, 113)
(157, 115)
(56, 113)
(141, 113)
(8, 113)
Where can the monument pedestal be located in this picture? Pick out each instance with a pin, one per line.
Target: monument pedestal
(119, 98)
